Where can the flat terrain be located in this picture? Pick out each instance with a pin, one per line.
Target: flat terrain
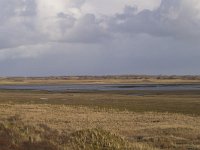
(140, 120)
(126, 79)
(185, 102)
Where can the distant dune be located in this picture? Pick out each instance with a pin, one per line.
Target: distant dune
(114, 79)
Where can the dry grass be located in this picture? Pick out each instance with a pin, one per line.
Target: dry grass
(136, 120)
(82, 127)
(41, 120)
(184, 102)
(15, 135)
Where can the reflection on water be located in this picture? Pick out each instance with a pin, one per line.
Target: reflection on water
(103, 87)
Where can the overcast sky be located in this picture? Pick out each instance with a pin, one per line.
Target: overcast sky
(99, 37)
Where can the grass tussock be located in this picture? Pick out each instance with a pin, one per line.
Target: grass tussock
(15, 135)
(96, 139)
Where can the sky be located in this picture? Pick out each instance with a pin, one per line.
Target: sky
(99, 37)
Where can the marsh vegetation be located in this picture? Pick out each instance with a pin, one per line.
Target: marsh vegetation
(44, 127)
(138, 120)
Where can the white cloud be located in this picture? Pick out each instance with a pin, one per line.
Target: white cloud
(112, 7)
(29, 22)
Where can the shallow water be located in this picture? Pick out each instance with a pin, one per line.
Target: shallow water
(103, 87)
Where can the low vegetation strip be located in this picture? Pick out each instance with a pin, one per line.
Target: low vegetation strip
(113, 79)
(183, 102)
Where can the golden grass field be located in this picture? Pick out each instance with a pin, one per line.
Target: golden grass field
(42, 120)
(118, 129)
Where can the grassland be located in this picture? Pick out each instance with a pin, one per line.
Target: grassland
(138, 120)
(48, 126)
(185, 102)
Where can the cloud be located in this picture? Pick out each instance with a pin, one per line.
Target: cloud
(17, 23)
(42, 37)
(176, 18)
(86, 29)
(25, 22)
(24, 52)
(104, 8)
(36, 22)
